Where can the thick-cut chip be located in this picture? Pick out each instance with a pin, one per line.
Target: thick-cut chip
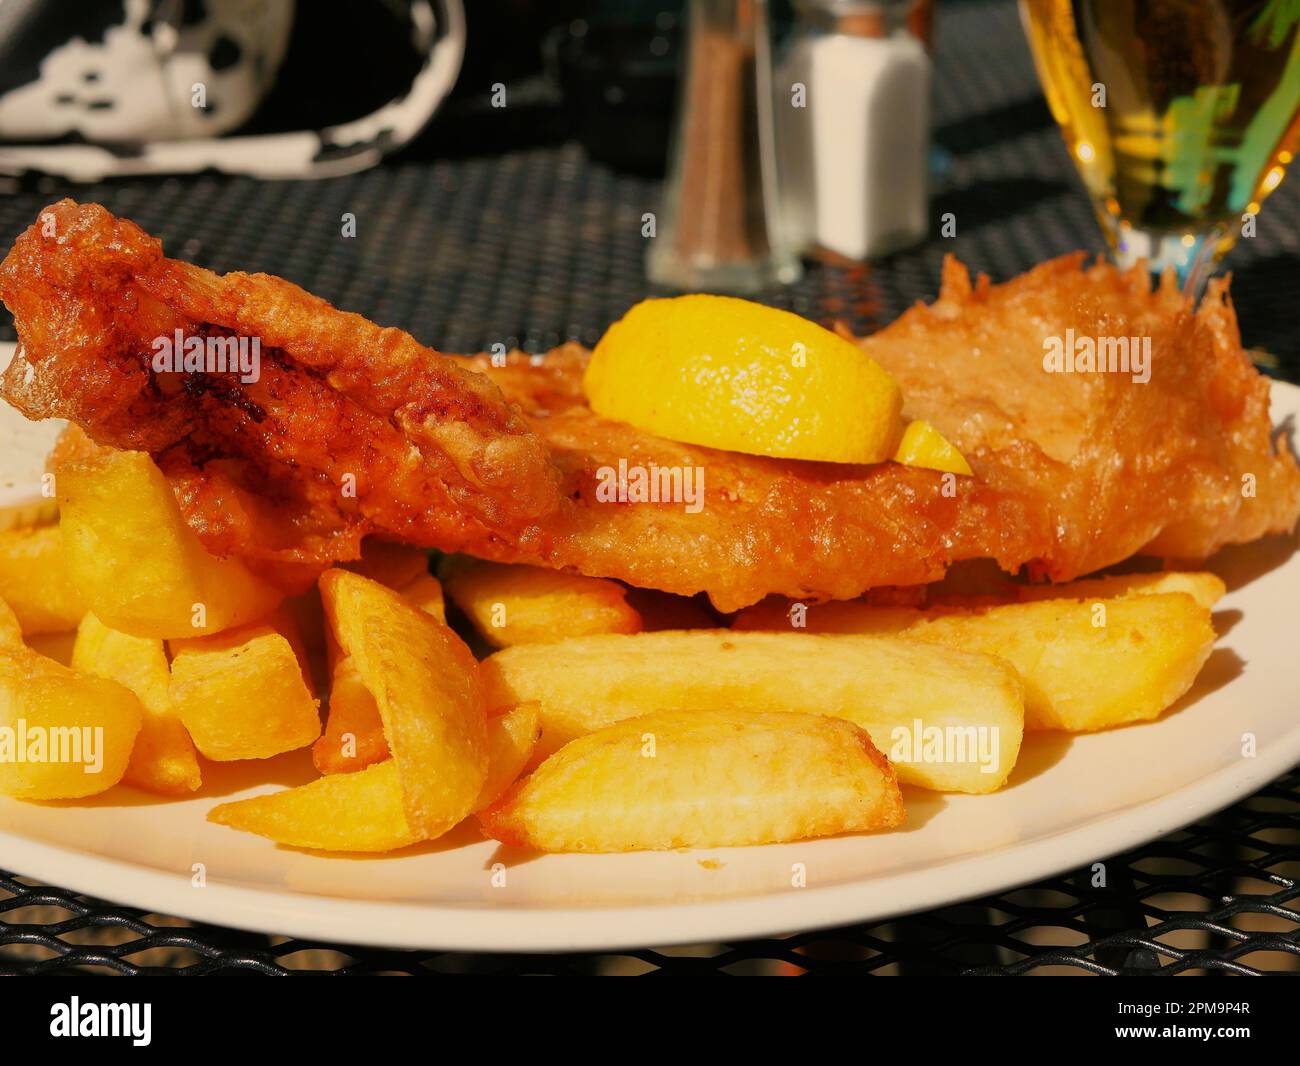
(1087, 664)
(141, 569)
(363, 811)
(163, 759)
(242, 694)
(62, 735)
(354, 734)
(287, 622)
(427, 687)
(341, 812)
(34, 581)
(987, 588)
(1205, 588)
(515, 604)
(719, 778)
(904, 694)
(11, 632)
(425, 592)
(511, 739)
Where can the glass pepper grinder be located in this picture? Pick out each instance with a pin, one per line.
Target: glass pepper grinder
(718, 228)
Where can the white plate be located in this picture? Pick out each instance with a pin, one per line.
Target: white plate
(1072, 801)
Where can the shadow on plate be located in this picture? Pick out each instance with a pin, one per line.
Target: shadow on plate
(1240, 564)
(1039, 752)
(1225, 621)
(921, 805)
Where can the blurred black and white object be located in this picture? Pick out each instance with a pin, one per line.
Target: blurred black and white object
(95, 88)
(129, 70)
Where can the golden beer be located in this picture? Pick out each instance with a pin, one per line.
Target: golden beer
(1181, 115)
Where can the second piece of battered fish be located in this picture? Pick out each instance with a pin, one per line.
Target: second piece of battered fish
(1072, 471)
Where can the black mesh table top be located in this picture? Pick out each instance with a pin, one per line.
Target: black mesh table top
(1220, 896)
(534, 244)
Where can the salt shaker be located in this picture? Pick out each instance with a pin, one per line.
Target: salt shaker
(719, 226)
(852, 104)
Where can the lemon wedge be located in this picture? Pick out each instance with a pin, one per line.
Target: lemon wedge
(744, 377)
(923, 445)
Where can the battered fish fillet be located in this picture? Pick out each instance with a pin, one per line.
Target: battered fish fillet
(348, 428)
(1072, 471)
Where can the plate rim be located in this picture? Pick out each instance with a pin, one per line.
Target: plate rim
(616, 927)
(528, 930)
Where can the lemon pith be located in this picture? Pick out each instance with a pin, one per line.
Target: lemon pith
(732, 374)
(923, 445)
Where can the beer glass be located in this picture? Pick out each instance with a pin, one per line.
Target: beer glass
(1181, 116)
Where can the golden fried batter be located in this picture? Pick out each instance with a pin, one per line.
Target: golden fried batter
(348, 428)
(1072, 471)
(1176, 467)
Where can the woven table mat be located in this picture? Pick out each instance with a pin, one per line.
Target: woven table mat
(536, 245)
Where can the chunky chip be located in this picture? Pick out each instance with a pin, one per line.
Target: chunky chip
(716, 778)
(62, 735)
(427, 688)
(341, 812)
(901, 692)
(163, 759)
(515, 604)
(1086, 664)
(512, 738)
(425, 592)
(11, 632)
(354, 734)
(34, 581)
(1204, 587)
(243, 694)
(139, 567)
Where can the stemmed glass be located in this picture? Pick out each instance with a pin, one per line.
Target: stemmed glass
(1181, 117)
